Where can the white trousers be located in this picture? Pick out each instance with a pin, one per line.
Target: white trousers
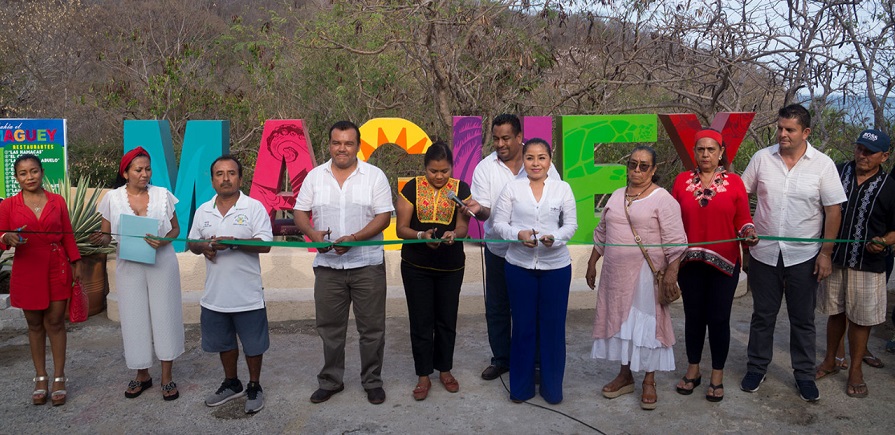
(150, 308)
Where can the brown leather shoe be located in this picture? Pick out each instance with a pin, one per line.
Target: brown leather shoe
(376, 395)
(493, 372)
(322, 395)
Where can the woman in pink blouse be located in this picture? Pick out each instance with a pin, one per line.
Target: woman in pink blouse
(630, 325)
(714, 206)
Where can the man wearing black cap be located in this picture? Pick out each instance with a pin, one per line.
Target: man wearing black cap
(854, 295)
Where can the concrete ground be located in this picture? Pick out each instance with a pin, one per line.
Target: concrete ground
(98, 377)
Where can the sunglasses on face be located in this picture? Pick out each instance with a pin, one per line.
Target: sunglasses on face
(632, 165)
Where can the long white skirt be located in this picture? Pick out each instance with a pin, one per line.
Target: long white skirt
(636, 343)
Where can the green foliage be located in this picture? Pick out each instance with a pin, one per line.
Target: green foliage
(85, 220)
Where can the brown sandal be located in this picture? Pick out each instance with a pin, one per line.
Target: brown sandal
(621, 390)
(649, 406)
(859, 391)
(873, 361)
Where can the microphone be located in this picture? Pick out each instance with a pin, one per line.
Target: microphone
(453, 197)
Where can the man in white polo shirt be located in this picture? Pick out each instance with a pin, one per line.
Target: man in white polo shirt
(233, 302)
(490, 176)
(350, 201)
(799, 193)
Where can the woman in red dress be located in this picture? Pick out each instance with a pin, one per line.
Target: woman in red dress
(37, 225)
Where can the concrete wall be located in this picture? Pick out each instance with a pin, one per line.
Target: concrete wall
(289, 278)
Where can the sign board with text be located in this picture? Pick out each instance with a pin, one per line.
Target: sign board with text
(44, 138)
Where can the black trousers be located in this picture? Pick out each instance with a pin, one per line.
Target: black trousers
(770, 285)
(433, 298)
(708, 297)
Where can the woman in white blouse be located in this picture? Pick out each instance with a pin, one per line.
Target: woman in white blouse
(540, 213)
(149, 299)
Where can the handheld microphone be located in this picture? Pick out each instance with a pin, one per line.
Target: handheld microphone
(453, 197)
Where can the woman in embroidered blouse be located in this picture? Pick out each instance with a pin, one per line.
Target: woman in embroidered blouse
(540, 212)
(433, 272)
(41, 275)
(149, 299)
(630, 325)
(714, 206)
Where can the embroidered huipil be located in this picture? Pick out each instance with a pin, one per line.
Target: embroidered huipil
(433, 210)
(717, 212)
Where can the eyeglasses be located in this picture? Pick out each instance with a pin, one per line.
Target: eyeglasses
(632, 165)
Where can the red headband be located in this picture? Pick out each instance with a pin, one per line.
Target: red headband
(129, 157)
(711, 134)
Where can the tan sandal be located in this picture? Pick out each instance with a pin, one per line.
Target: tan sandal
(39, 396)
(58, 397)
(649, 406)
(622, 390)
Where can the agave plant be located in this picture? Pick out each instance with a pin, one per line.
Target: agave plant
(82, 211)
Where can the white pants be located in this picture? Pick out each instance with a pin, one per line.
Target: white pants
(150, 308)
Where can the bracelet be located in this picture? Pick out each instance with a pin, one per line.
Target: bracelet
(419, 235)
(355, 237)
(234, 247)
(825, 255)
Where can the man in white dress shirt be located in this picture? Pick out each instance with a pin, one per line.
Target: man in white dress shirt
(490, 176)
(233, 301)
(350, 201)
(798, 193)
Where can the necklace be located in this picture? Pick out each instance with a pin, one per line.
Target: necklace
(37, 207)
(631, 198)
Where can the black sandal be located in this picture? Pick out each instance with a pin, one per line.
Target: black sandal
(167, 388)
(695, 382)
(712, 397)
(142, 385)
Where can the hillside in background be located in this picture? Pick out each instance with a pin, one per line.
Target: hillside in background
(99, 62)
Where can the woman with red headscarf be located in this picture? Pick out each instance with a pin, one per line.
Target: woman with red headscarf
(714, 206)
(149, 299)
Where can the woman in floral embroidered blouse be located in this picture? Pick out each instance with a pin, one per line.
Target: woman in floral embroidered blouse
(714, 206)
(433, 272)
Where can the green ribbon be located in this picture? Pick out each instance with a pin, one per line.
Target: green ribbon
(329, 244)
(296, 244)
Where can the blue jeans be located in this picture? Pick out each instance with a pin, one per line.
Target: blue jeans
(497, 309)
